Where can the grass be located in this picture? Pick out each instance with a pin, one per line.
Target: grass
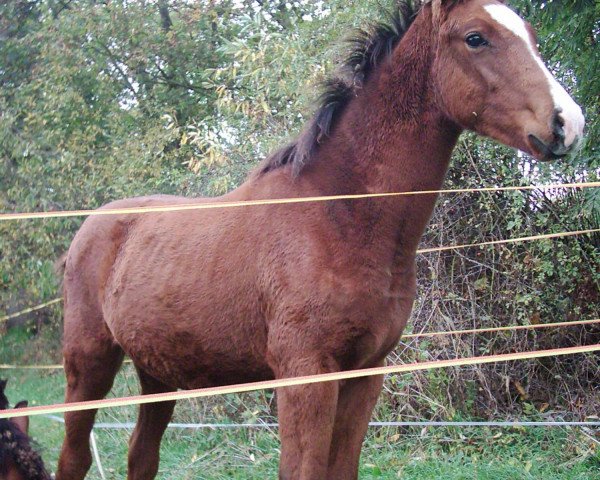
(389, 453)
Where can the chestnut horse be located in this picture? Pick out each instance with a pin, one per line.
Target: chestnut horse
(18, 461)
(214, 297)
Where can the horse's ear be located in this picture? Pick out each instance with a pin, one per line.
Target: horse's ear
(437, 7)
(21, 422)
(3, 399)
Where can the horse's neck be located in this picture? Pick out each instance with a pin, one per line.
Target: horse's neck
(392, 138)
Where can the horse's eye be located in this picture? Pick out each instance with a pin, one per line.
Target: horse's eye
(475, 40)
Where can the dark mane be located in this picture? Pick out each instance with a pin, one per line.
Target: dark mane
(368, 47)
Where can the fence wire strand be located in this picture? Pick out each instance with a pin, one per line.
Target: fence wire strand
(418, 424)
(508, 328)
(136, 400)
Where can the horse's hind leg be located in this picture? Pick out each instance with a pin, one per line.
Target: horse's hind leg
(153, 418)
(92, 359)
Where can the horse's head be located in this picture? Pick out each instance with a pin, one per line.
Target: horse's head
(17, 459)
(17, 430)
(492, 80)
(21, 422)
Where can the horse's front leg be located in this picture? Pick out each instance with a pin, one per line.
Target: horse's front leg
(306, 418)
(357, 398)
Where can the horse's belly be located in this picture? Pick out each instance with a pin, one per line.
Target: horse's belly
(185, 351)
(196, 363)
(183, 316)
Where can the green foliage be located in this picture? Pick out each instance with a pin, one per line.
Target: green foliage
(101, 101)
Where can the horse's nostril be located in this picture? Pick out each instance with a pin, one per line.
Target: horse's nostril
(559, 133)
(558, 124)
(557, 118)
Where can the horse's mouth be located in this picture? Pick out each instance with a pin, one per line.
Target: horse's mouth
(548, 152)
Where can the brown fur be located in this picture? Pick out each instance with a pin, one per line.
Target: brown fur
(205, 298)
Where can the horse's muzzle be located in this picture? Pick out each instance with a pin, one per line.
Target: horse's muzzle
(556, 148)
(551, 151)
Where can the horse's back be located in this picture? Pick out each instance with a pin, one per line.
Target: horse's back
(90, 260)
(96, 244)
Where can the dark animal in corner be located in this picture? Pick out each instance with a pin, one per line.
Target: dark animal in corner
(214, 297)
(18, 460)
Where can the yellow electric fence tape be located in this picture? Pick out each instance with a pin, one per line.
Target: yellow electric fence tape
(276, 201)
(289, 382)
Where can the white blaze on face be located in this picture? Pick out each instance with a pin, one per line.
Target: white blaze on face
(570, 112)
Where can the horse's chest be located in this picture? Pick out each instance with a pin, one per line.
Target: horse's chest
(381, 336)
(371, 328)
(366, 313)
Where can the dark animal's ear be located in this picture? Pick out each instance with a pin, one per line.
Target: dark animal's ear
(3, 399)
(22, 423)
